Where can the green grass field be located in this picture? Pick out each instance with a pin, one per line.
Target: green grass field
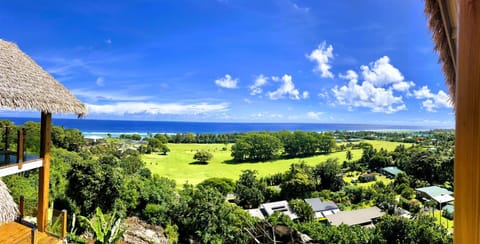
(178, 163)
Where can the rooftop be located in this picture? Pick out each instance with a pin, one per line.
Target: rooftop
(317, 205)
(392, 170)
(355, 217)
(434, 191)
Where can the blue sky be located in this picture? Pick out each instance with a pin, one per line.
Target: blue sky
(238, 60)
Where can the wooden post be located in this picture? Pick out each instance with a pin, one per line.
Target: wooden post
(22, 207)
(34, 236)
(7, 134)
(44, 175)
(64, 224)
(19, 148)
(467, 142)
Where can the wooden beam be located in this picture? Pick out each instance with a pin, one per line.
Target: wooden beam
(467, 142)
(22, 207)
(20, 148)
(63, 235)
(7, 134)
(44, 175)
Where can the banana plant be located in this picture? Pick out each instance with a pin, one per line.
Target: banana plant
(107, 229)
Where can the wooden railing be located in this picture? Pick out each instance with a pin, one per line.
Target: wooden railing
(63, 226)
(20, 152)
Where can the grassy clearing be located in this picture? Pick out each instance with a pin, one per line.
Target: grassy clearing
(354, 175)
(179, 163)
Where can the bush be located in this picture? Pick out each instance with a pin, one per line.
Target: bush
(202, 156)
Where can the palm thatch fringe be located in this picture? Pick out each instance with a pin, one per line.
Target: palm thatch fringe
(440, 38)
(24, 85)
(8, 207)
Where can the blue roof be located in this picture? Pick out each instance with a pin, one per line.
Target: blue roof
(317, 205)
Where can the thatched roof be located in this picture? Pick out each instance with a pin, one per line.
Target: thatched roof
(24, 85)
(8, 207)
(442, 20)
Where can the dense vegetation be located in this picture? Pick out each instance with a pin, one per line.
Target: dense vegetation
(113, 178)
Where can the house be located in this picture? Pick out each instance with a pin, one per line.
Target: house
(363, 217)
(24, 85)
(280, 206)
(390, 172)
(367, 177)
(256, 212)
(322, 209)
(436, 193)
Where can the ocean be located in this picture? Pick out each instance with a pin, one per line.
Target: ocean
(90, 127)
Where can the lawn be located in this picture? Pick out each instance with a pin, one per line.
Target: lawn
(354, 175)
(179, 163)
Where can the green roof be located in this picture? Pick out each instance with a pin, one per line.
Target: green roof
(392, 170)
(434, 191)
(448, 208)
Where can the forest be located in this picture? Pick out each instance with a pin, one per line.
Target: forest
(94, 181)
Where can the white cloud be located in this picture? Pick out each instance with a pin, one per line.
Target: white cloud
(305, 94)
(93, 96)
(100, 81)
(322, 56)
(381, 72)
(314, 115)
(123, 108)
(256, 87)
(247, 100)
(108, 41)
(433, 101)
(378, 99)
(380, 81)
(350, 75)
(227, 82)
(287, 88)
(403, 86)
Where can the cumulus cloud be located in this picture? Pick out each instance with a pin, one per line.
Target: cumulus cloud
(256, 87)
(287, 88)
(381, 72)
(433, 101)
(378, 99)
(379, 90)
(322, 56)
(227, 82)
(403, 86)
(123, 108)
(314, 115)
(349, 75)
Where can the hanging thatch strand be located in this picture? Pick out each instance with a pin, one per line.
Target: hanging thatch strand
(24, 85)
(439, 14)
(8, 208)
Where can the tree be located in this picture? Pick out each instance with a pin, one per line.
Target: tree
(256, 147)
(204, 216)
(202, 156)
(348, 155)
(223, 185)
(249, 190)
(329, 173)
(303, 210)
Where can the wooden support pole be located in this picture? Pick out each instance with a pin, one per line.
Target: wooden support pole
(22, 207)
(20, 148)
(64, 224)
(44, 175)
(467, 142)
(34, 236)
(7, 134)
